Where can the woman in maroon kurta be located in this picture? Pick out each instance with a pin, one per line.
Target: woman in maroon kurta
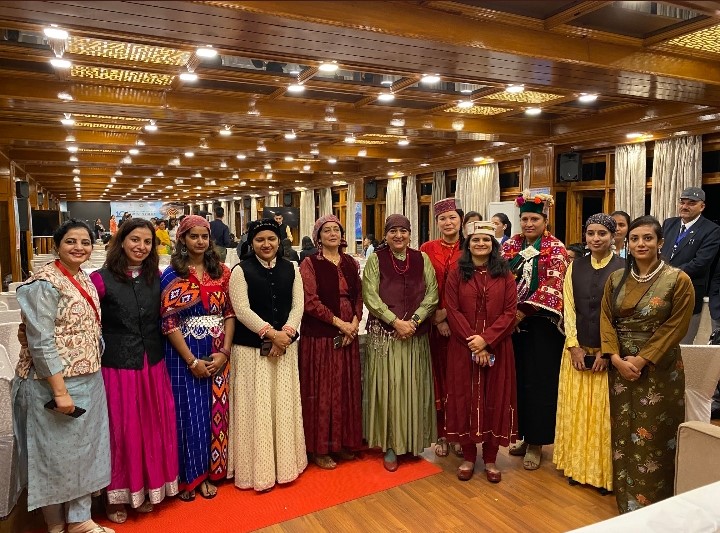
(329, 349)
(443, 254)
(481, 301)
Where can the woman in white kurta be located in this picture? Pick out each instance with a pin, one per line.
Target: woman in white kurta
(267, 441)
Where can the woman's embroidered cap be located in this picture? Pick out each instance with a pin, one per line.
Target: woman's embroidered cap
(320, 222)
(256, 226)
(483, 227)
(397, 221)
(539, 203)
(443, 206)
(603, 220)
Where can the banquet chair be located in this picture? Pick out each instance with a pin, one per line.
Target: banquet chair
(697, 456)
(7, 316)
(10, 300)
(9, 341)
(702, 373)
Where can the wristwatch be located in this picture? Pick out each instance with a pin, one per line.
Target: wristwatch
(415, 319)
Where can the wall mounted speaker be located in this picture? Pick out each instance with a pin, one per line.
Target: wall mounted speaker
(570, 167)
(23, 213)
(22, 189)
(41, 199)
(370, 190)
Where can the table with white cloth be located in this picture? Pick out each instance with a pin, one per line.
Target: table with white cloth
(690, 512)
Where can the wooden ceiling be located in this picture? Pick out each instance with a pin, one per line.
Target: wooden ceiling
(654, 66)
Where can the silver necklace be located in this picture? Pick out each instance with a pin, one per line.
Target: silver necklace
(646, 277)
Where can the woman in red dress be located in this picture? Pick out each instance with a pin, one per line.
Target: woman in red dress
(443, 254)
(481, 300)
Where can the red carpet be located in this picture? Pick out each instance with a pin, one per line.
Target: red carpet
(235, 511)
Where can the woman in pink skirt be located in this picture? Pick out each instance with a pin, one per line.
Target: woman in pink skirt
(143, 436)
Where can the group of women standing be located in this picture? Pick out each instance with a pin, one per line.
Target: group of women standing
(465, 343)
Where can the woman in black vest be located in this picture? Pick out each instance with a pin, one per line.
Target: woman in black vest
(267, 438)
(141, 408)
(329, 349)
(582, 429)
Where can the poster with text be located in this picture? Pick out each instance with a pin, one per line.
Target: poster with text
(146, 210)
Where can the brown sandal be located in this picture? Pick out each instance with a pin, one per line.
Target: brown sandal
(325, 462)
(442, 447)
(518, 449)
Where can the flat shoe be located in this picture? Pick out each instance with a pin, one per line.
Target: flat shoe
(146, 507)
(390, 462)
(518, 449)
(465, 474)
(118, 516)
(532, 459)
(325, 462)
(493, 477)
(442, 448)
(456, 448)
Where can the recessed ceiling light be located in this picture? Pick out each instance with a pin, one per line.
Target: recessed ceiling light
(58, 62)
(118, 172)
(328, 66)
(188, 76)
(241, 156)
(386, 97)
(206, 51)
(160, 174)
(465, 104)
(314, 150)
(151, 126)
(291, 135)
(112, 180)
(76, 180)
(72, 148)
(533, 111)
(73, 158)
(225, 132)
(514, 89)
(424, 164)
(330, 118)
(350, 139)
(76, 171)
(404, 142)
(391, 173)
(55, 33)
(267, 166)
(430, 78)
(296, 88)
(148, 180)
(261, 147)
(634, 135)
(189, 154)
(127, 160)
(223, 164)
(67, 120)
(457, 124)
(197, 175)
(397, 121)
(289, 158)
(140, 142)
(133, 151)
(362, 153)
(586, 98)
(306, 167)
(478, 159)
(332, 160)
(243, 183)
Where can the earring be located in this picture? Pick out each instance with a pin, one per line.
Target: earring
(183, 250)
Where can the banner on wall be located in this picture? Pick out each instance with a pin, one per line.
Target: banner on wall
(358, 221)
(146, 210)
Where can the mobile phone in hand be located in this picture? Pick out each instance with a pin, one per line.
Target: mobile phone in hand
(589, 361)
(79, 411)
(338, 341)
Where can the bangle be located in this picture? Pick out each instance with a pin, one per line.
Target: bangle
(194, 363)
(61, 394)
(225, 352)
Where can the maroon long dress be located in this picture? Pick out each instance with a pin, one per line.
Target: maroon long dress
(330, 385)
(444, 258)
(482, 401)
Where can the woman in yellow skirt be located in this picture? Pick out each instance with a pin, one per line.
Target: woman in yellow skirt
(582, 428)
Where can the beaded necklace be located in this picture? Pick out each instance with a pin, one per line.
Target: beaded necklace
(398, 269)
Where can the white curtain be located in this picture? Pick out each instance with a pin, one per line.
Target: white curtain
(478, 186)
(272, 200)
(438, 193)
(350, 218)
(525, 176)
(411, 209)
(677, 164)
(307, 212)
(325, 201)
(253, 209)
(630, 179)
(230, 214)
(394, 197)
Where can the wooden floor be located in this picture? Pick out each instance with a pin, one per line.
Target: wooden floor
(536, 501)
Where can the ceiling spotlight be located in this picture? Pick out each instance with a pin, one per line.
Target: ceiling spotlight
(306, 167)
(76, 171)
(586, 98)
(252, 110)
(68, 120)
(362, 153)
(424, 164)
(386, 97)
(634, 135)
(197, 175)
(478, 159)
(54, 32)
(267, 166)
(332, 160)
(465, 104)
(73, 158)
(391, 173)
(330, 118)
(430, 78)
(151, 126)
(225, 132)
(133, 151)
(289, 158)
(223, 164)
(514, 89)
(261, 147)
(72, 148)
(235, 176)
(350, 139)
(140, 142)
(457, 124)
(70, 139)
(314, 150)
(328, 66)
(533, 111)
(291, 135)
(404, 142)
(243, 183)
(241, 156)
(189, 154)
(58, 62)
(76, 180)
(203, 143)
(398, 121)
(206, 51)
(160, 174)
(188, 76)
(296, 88)
(113, 180)
(269, 175)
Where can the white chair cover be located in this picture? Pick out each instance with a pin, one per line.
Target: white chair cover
(702, 373)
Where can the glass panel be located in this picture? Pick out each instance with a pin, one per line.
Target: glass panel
(424, 219)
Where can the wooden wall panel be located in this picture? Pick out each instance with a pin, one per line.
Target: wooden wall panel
(542, 166)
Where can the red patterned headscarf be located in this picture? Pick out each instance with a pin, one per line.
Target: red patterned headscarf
(191, 221)
(320, 222)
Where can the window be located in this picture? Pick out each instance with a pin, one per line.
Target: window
(594, 171)
(509, 180)
(711, 162)
(426, 189)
